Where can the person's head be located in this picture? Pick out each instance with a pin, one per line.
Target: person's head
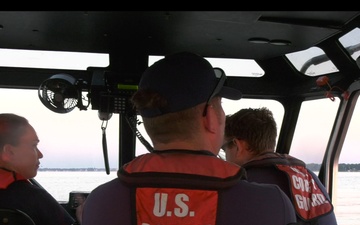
(179, 99)
(249, 132)
(18, 145)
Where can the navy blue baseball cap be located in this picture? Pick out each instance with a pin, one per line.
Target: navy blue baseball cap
(185, 80)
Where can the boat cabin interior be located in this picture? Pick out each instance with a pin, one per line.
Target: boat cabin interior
(299, 56)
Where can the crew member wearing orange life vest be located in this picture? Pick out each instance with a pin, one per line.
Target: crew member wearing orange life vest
(250, 136)
(182, 181)
(19, 161)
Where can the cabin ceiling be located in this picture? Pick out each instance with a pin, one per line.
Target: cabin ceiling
(209, 33)
(129, 37)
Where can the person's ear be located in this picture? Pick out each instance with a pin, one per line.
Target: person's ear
(237, 147)
(210, 120)
(241, 145)
(7, 153)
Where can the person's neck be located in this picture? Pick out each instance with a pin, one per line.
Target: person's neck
(185, 146)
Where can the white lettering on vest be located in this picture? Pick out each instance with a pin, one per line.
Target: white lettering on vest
(160, 205)
(303, 185)
(316, 200)
(302, 202)
(300, 183)
(183, 209)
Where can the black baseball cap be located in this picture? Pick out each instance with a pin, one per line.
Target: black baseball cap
(185, 80)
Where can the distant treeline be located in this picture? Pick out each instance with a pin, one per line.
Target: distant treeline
(343, 167)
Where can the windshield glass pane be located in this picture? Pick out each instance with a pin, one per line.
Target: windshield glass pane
(313, 129)
(52, 59)
(351, 42)
(231, 67)
(230, 107)
(312, 62)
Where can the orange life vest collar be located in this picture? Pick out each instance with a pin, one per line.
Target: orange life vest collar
(7, 177)
(200, 169)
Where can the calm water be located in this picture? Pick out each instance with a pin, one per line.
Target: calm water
(348, 198)
(60, 184)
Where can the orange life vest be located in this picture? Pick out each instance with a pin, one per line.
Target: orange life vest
(178, 186)
(309, 200)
